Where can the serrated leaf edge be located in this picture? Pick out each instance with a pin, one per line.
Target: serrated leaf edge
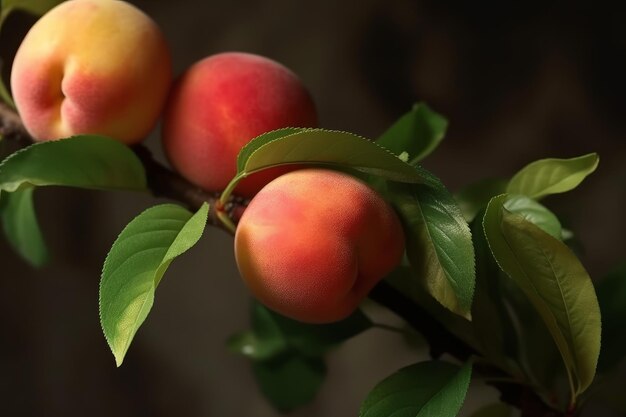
(427, 179)
(163, 265)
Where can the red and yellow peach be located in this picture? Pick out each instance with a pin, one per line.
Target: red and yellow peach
(222, 102)
(313, 243)
(92, 66)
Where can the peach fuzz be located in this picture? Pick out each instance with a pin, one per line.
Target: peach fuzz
(222, 102)
(314, 242)
(92, 66)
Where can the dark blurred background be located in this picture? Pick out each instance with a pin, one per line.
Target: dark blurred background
(518, 82)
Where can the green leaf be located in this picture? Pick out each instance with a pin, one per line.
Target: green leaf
(332, 148)
(556, 284)
(511, 332)
(261, 140)
(475, 197)
(249, 345)
(273, 334)
(36, 7)
(536, 213)
(417, 133)
(552, 176)
(21, 226)
(612, 298)
(494, 410)
(316, 339)
(135, 265)
(438, 243)
(291, 380)
(426, 389)
(87, 161)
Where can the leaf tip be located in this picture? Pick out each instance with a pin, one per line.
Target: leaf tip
(119, 358)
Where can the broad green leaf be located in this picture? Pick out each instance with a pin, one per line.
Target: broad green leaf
(135, 265)
(511, 332)
(36, 7)
(86, 161)
(426, 389)
(536, 213)
(261, 140)
(417, 133)
(438, 243)
(332, 148)
(556, 284)
(494, 410)
(21, 227)
(552, 176)
(289, 381)
(273, 333)
(475, 197)
(612, 298)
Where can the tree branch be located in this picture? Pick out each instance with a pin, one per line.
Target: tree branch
(439, 338)
(163, 182)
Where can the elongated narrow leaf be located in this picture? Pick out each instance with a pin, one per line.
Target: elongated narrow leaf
(552, 176)
(135, 265)
(534, 212)
(291, 380)
(556, 284)
(612, 298)
(327, 147)
(426, 389)
(21, 227)
(36, 7)
(95, 162)
(438, 243)
(417, 133)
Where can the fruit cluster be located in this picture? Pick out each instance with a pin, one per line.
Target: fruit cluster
(312, 242)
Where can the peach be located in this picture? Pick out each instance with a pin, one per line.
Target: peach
(92, 66)
(313, 243)
(222, 102)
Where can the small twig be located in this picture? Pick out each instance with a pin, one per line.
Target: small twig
(164, 182)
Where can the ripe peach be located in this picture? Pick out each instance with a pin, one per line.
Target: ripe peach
(92, 66)
(220, 104)
(313, 243)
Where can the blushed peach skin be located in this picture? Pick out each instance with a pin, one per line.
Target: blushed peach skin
(314, 242)
(92, 66)
(222, 102)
